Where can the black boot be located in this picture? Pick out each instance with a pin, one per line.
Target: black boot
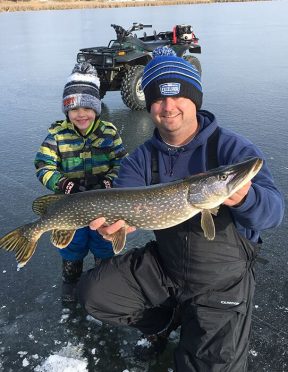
(149, 346)
(71, 272)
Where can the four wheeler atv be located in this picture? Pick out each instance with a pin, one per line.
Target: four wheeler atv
(120, 65)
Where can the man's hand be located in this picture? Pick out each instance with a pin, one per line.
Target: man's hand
(239, 196)
(107, 230)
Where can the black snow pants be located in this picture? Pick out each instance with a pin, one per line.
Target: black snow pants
(212, 282)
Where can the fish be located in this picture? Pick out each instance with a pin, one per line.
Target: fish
(151, 207)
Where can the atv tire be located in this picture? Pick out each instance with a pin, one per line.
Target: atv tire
(102, 93)
(194, 61)
(131, 91)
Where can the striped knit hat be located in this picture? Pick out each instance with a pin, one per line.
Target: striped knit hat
(82, 89)
(167, 75)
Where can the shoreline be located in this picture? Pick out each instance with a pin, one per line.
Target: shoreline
(31, 5)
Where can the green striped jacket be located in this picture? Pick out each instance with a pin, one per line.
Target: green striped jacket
(66, 153)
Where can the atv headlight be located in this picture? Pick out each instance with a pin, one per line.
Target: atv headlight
(81, 58)
(109, 60)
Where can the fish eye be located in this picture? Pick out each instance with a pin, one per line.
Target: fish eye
(223, 177)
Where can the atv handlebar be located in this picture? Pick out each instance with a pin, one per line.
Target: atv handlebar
(121, 32)
(139, 26)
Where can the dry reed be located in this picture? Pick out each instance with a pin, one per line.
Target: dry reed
(24, 5)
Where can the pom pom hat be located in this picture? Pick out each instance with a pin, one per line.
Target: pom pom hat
(167, 75)
(82, 89)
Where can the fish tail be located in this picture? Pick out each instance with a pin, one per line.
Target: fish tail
(22, 242)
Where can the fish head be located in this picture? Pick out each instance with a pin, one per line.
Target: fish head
(209, 190)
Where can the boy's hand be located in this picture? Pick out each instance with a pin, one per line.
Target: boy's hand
(105, 183)
(94, 182)
(239, 196)
(70, 186)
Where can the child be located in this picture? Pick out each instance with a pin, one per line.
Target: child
(80, 153)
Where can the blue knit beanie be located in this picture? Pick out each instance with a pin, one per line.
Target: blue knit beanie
(167, 75)
(82, 89)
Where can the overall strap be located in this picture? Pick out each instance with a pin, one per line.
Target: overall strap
(155, 179)
(212, 145)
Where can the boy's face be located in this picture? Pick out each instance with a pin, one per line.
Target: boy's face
(82, 118)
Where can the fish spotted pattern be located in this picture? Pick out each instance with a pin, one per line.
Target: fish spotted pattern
(151, 208)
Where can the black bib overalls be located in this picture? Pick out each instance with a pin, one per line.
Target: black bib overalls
(211, 282)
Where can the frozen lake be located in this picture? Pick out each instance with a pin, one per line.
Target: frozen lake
(245, 78)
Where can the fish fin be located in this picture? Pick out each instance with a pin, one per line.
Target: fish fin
(215, 210)
(16, 241)
(118, 240)
(207, 224)
(40, 205)
(61, 238)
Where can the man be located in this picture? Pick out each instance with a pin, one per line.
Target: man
(183, 278)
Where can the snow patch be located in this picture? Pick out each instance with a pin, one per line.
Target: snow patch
(22, 353)
(64, 318)
(144, 342)
(174, 336)
(25, 362)
(253, 352)
(58, 363)
(68, 359)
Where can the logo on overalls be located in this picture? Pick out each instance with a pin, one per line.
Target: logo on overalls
(170, 89)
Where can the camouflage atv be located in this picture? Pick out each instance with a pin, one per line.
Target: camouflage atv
(120, 65)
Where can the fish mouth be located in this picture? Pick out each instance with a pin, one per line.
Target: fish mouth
(244, 172)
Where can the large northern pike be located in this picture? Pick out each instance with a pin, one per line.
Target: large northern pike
(151, 208)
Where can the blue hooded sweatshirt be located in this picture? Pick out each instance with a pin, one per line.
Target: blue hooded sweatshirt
(263, 207)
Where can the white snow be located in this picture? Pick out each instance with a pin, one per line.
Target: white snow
(58, 363)
(174, 336)
(22, 353)
(253, 352)
(143, 342)
(68, 359)
(25, 362)
(64, 318)
(65, 310)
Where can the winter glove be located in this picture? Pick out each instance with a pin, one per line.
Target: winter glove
(94, 182)
(106, 183)
(71, 186)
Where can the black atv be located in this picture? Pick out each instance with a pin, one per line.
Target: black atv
(120, 65)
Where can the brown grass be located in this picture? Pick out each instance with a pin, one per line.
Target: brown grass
(14, 6)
